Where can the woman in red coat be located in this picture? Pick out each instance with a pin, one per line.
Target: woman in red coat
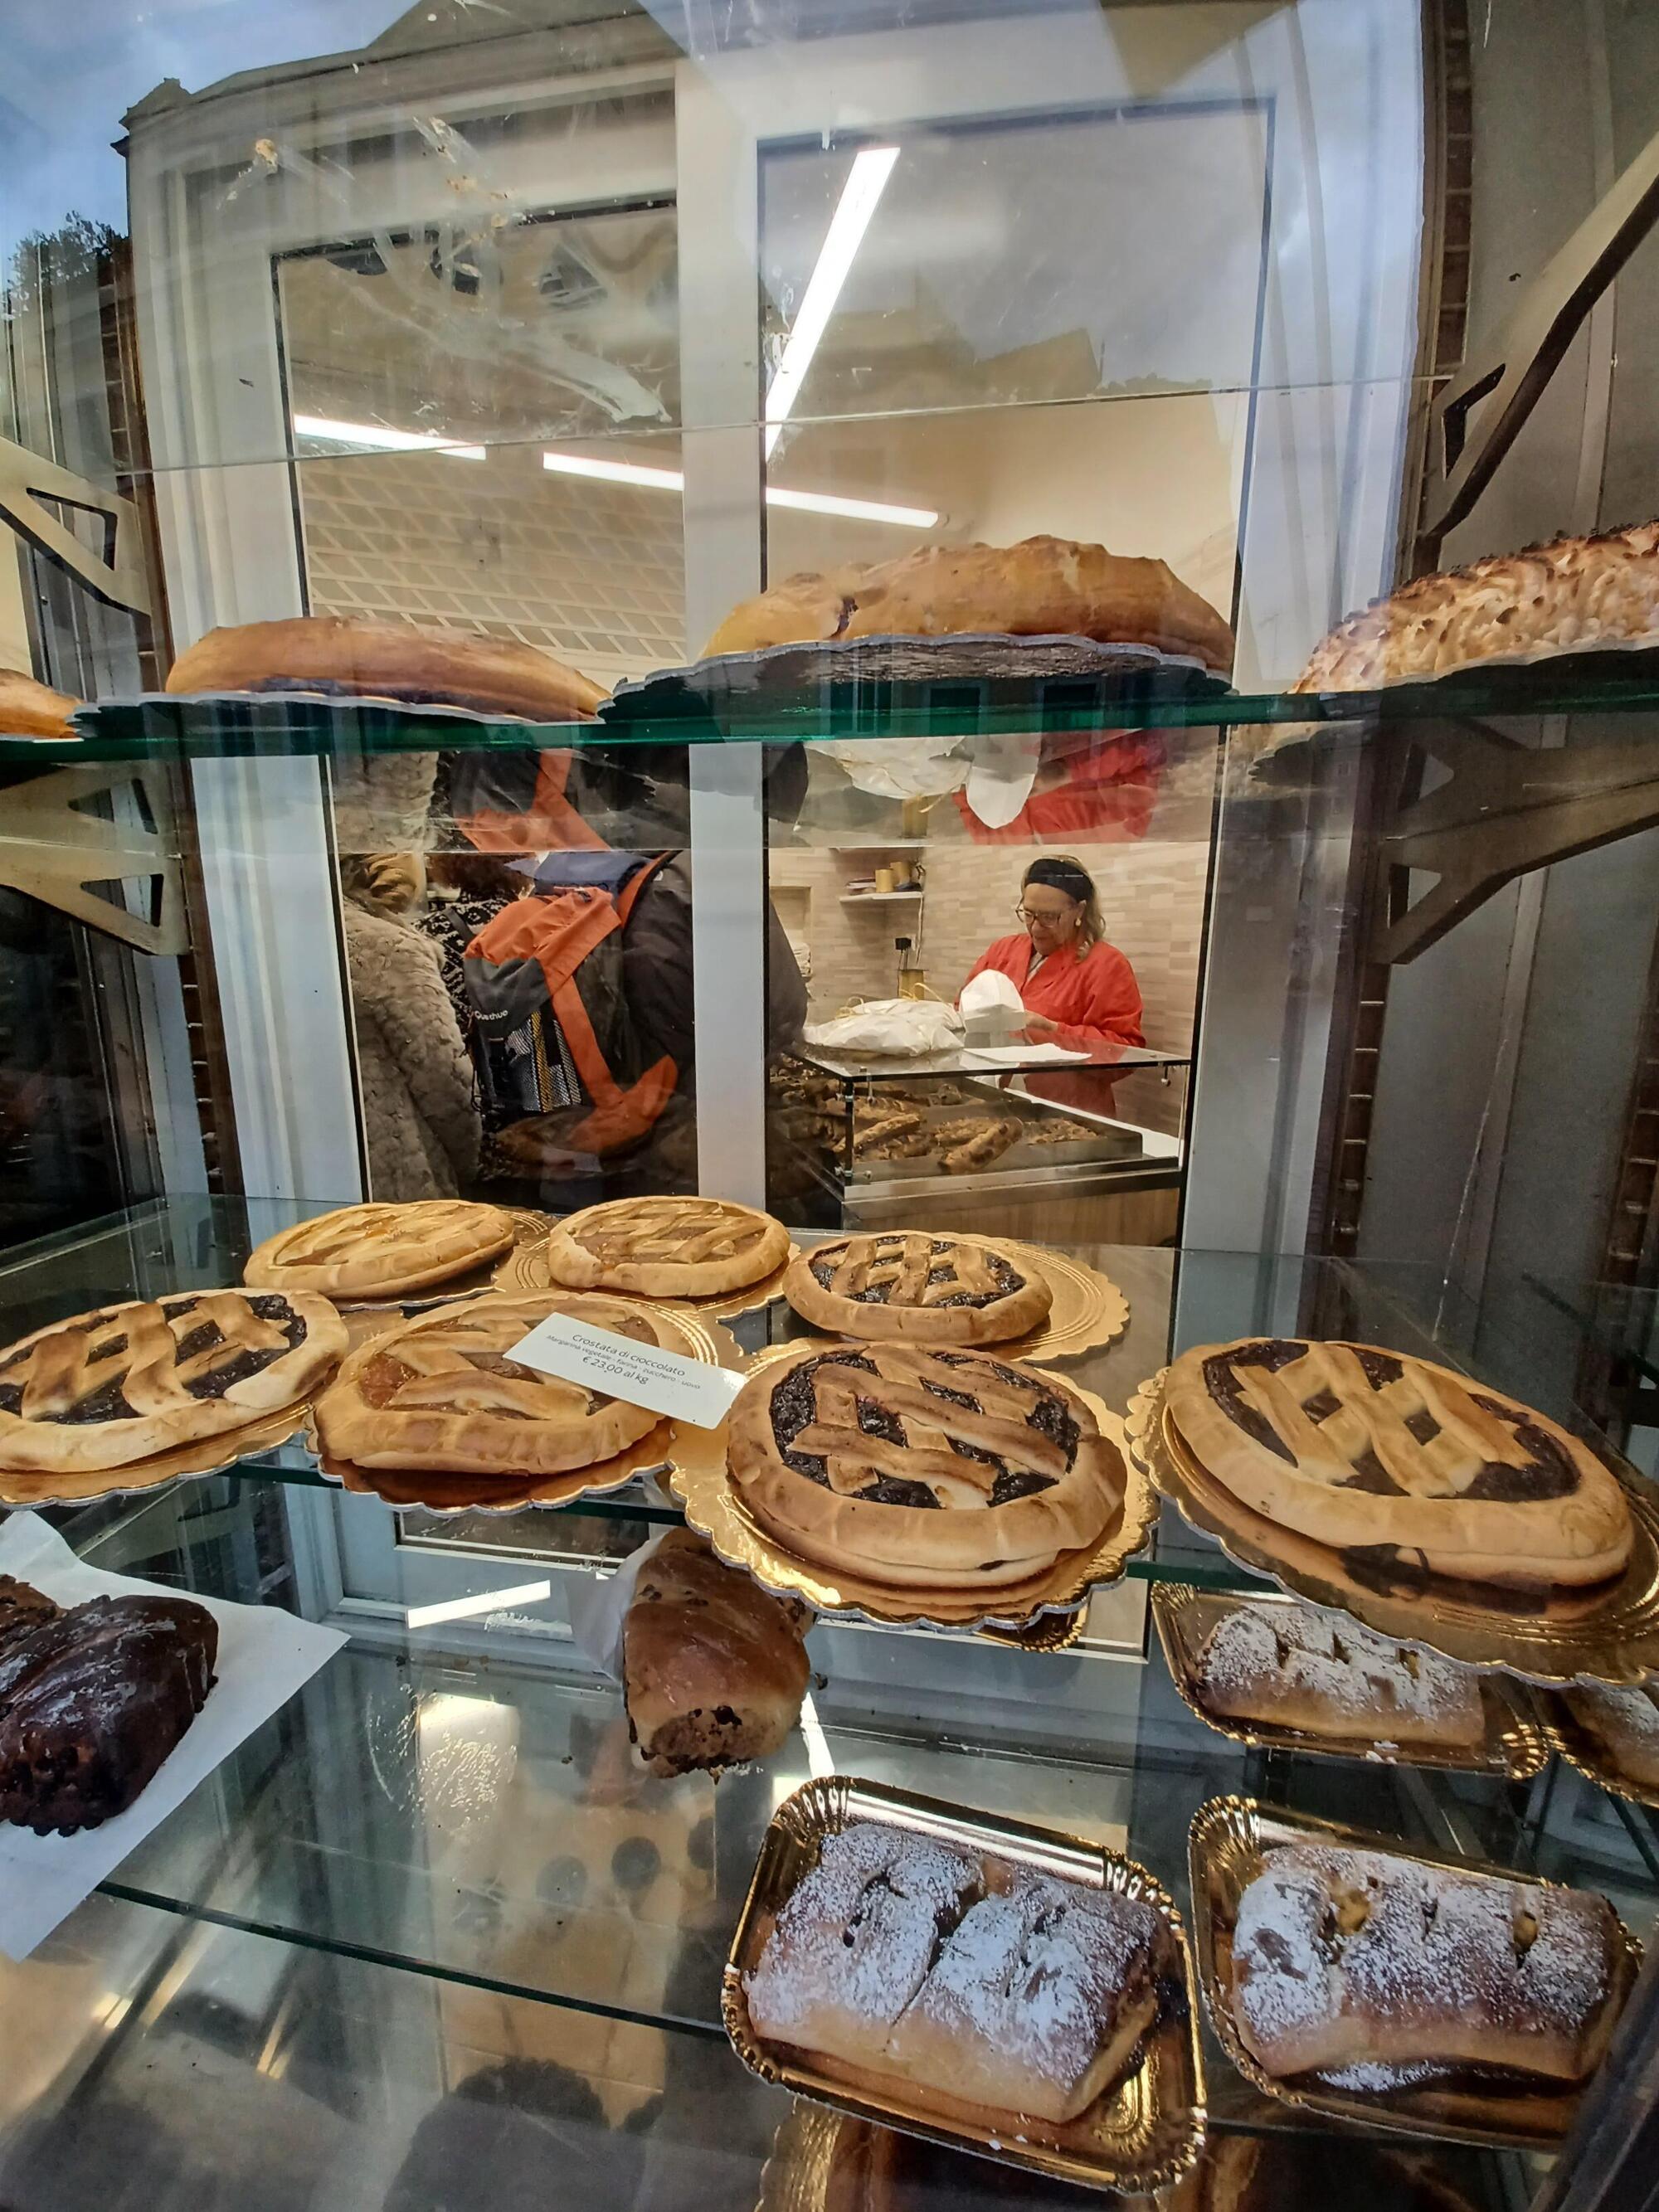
(1080, 990)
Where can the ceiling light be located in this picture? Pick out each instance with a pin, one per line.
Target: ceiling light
(463, 1608)
(864, 187)
(382, 439)
(810, 503)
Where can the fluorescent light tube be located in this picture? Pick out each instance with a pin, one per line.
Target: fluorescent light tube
(378, 435)
(810, 503)
(865, 185)
(464, 1608)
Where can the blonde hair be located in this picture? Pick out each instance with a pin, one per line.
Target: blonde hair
(384, 882)
(1066, 874)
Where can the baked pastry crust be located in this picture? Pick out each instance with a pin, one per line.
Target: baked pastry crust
(666, 1248)
(439, 1391)
(126, 1382)
(1355, 1446)
(923, 1468)
(921, 1289)
(1572, 594)
(92, 1700)
(1343, 1957)
(28, 709)
(1041, 587)
(1625, 1721)
(714, 1667)
(387, 660)
(375, 1251)
(1325, 1675)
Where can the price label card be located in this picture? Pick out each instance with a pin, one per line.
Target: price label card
(664, 1383)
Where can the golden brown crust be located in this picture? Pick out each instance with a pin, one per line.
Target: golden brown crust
(1573, 593)
(1318, 1436)
(1625, 1723)
(666, 1248)
(1298, 1666)
(1042, 587)
(28, 709)
(919, 1289)
(125, 1381)
(881, 1421)
(714, 1667)
(387, 661)
(439, 1391)
(382, 1251)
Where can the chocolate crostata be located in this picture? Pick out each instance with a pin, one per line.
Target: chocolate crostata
(927, 1290)
(1357, 1447)
(439, 1391)
(105, 1389)
(93, 1700)
(920, 1467)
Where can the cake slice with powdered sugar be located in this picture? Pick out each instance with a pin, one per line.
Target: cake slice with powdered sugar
(1300, 1668)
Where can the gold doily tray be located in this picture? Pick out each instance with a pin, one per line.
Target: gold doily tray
(1229, 1838)
(1610, 1634)
(714, 1508)
(528, 1229)
(435, 1491)
(22, 1488)
(1515, 1743)
(1582, 1747)
(524, 1269)
(1140, 2133)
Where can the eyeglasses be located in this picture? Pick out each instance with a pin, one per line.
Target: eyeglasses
(1031, 914)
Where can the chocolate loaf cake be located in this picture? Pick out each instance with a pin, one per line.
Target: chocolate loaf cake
(93, 1700)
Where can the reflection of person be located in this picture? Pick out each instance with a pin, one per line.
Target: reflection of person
(1080, 990)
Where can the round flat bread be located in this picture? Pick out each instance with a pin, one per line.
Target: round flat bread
(375, 1251)
(666, 1248)
(126, 1382)
(921, 1289)
(912, 1466)
(439, 1392)
(1358, 1447)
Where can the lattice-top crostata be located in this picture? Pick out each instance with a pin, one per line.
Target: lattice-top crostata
(126, 1382)
(439, 1391)
(375, 1251)
(928, 1289)
(913, 1466)
(1357, 1447)
(666, 1248)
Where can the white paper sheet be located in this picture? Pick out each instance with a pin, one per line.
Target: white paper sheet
(1018, 1055)
(264, 1654)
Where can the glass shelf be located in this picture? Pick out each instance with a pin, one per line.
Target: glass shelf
(189, 729)
(861, 1067)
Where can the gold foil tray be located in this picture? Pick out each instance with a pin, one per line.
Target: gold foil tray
(1141, 2134)
(528, 1229)
(1226, 1844)
(714, 1508)
(1582, 1747)
(524, 1269)
(1089, 1310)
(436, 1490)
(1609, 1634)
(1515, 1743)
(24, 1488)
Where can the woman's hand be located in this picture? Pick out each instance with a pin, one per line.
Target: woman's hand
(1039, 1029)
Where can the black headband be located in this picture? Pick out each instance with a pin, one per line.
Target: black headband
(1063, 876)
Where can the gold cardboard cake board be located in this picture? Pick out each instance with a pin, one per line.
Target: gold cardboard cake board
(1228, 1841)
(1607, 1634)
(1142, 2132)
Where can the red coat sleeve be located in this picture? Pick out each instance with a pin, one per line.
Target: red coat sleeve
(1110, 1010)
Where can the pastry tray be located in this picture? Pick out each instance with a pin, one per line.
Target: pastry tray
(24, 1488)
(1610, 1634)
(700, 1482)
(1228, 1840)
(1515, 1743)
(1581, 1747)
(528, 1229)
(1143, 2133)
(805, 674)
(524, 1269)
(434, 1490)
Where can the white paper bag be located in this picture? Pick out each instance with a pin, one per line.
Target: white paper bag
(902, 1027)
(264, 1654)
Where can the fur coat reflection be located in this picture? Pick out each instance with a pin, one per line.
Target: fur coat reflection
(419, 1120)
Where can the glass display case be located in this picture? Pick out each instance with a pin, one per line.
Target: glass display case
(552, 623)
